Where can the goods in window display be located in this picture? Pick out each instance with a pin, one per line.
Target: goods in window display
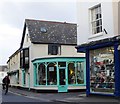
(102, 71)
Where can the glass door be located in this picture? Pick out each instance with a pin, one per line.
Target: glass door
(62, 80)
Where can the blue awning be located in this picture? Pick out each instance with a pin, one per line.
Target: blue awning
(98, 43)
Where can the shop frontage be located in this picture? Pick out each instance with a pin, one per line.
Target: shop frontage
(102, 66)
(60, 73)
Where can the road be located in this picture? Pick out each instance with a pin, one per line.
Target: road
(12, 98)
(17, 96)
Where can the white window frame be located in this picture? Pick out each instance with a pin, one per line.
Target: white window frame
(96, 10)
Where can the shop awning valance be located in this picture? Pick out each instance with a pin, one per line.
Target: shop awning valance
(93, 44)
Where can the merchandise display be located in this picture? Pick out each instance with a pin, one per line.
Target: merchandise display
(102, 70)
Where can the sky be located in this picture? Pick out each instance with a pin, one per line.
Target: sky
(14, 12)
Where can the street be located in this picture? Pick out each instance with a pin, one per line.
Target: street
(11, 98)
(17, 96)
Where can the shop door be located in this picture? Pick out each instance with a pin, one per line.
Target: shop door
(62, 80)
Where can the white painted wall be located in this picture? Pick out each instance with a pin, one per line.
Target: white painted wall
(70, 51)
(14, 64)
(41, 51)
(83, 20)
(27, 41)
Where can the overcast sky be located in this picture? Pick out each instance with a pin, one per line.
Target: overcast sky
(13, 15)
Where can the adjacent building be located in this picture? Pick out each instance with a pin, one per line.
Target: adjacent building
(97, 20)
(3, 72)
(14, 68)
(98, 26)
(47, 58)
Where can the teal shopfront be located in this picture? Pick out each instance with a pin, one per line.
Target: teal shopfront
(63, 73)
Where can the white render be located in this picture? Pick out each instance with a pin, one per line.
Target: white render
(110, 20)
(13, 65)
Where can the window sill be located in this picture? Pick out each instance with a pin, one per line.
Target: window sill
(95, 35)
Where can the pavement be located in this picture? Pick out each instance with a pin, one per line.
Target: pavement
(70, 97)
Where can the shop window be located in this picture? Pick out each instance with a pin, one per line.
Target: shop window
(71, 73)
(52, 74)
(54, 49)
(35, 74)
(102, 70)
(96, 19)
(80, 72)
(41, 74)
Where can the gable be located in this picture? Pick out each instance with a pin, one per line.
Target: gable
(25, 42)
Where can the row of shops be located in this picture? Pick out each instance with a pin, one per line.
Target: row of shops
(98, 73)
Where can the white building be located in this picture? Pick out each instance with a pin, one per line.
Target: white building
(97, 20)
(99, 38)
(3, 72)
(47, 58)
(14, 69)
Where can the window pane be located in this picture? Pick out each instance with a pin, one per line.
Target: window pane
(62, 79)
(96, 19)
(52, 74)
(97, 23)
(80, 72)
(94, 30)
(100, 22)
(62, 64)
(53, 49)
(100, 28)
(41, 74)
(26, 52)
(102, 70)
(21, 58)
(26, 57)
(71, 74)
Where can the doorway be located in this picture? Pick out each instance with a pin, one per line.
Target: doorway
(62, 80)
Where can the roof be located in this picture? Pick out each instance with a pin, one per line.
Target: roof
(50, 32)
(16, 52)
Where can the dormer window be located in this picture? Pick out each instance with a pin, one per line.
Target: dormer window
(43, 29)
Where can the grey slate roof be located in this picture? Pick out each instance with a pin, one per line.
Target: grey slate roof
(53, 32)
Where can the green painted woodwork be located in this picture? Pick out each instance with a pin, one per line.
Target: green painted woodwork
(23, 76)
(58, 59)
(55, 60)
(62, 88)
(29, 80)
